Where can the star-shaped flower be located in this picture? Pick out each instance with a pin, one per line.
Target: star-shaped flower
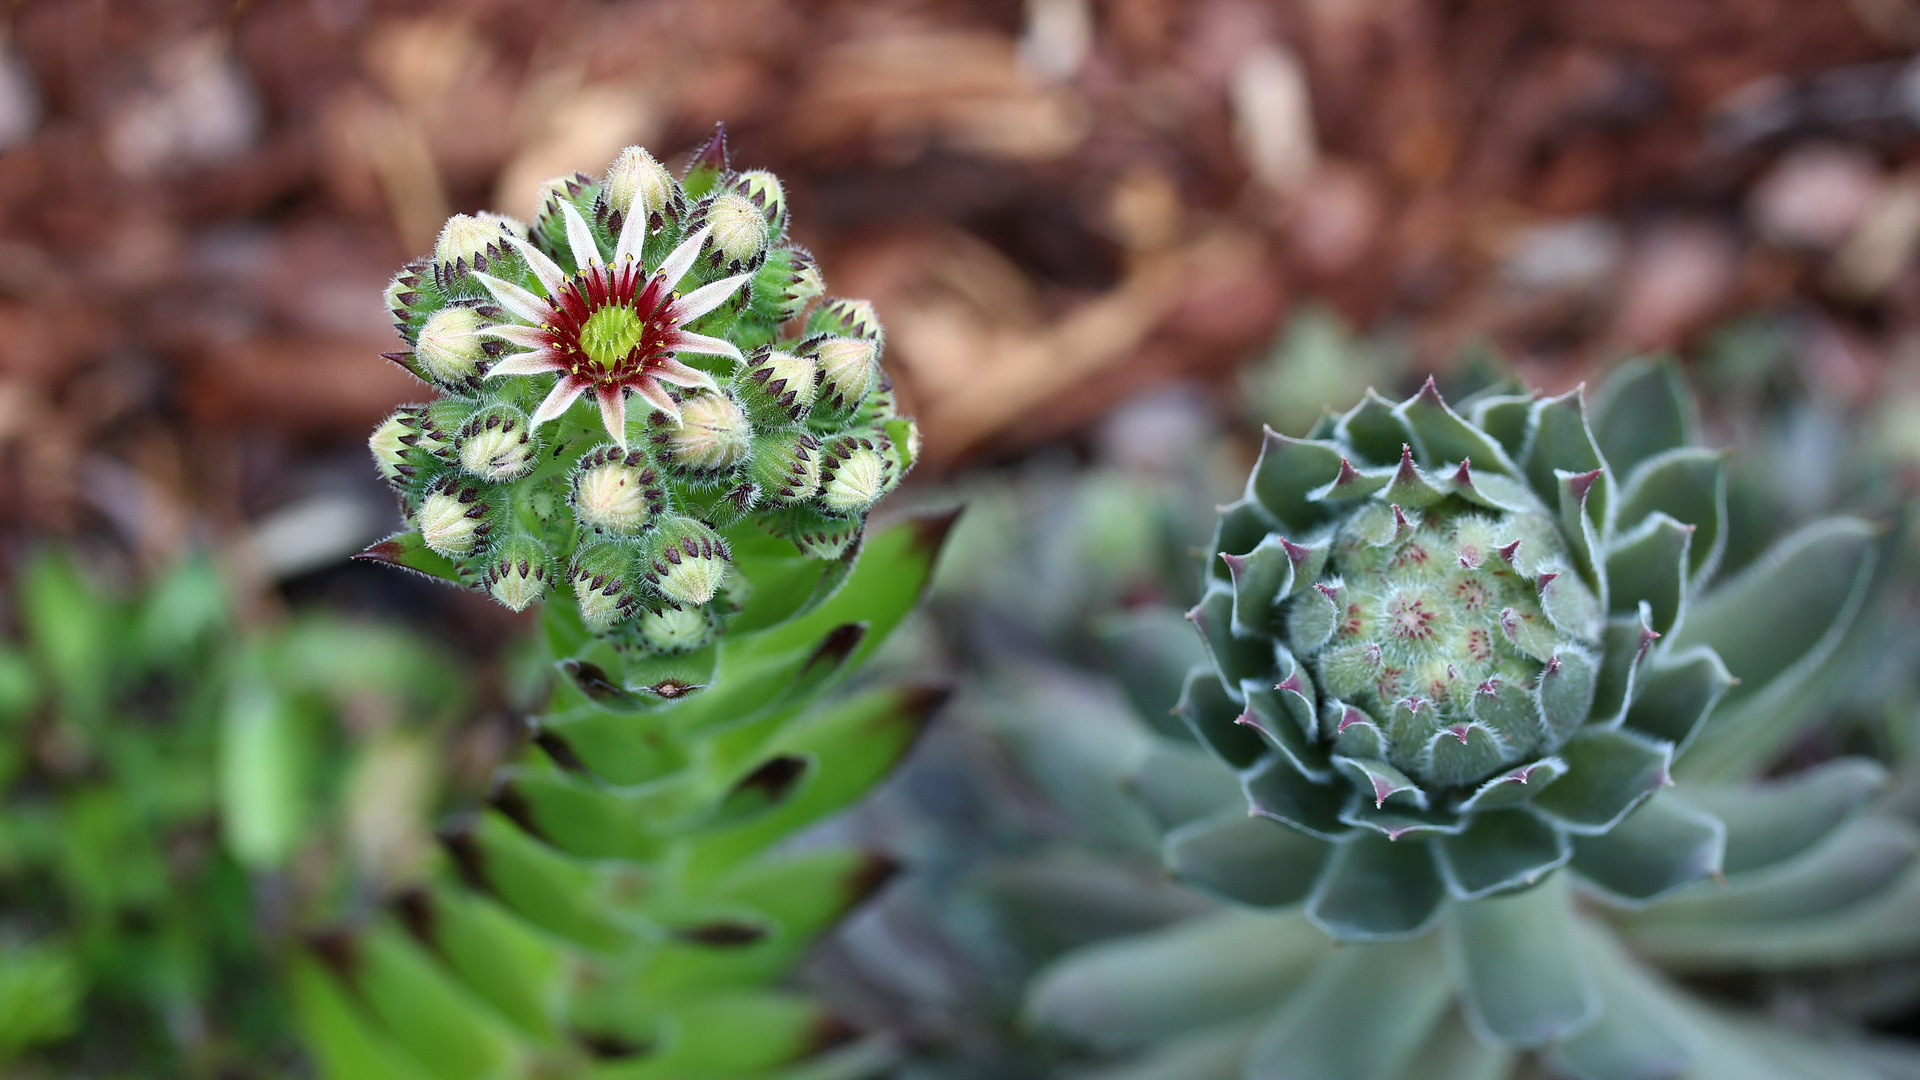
(610, 327)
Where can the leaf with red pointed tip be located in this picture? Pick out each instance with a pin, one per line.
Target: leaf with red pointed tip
(708, 167)
(1609, 772)
(408, 551)
(1287, 472)
(1250, 860)
(1642, 410)
(1442, 436)
(1374, 430)
(1377, 888)
(1659, 849)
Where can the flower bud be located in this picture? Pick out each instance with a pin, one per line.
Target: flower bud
(803, 285)
(616, 491)
(451, 519)
(847, 318)
(764, 191)
(674, 630)
(778, 386)
(449, 346)
(603, 577)
(739, 229)
(685, 560)
(518, 573)
(786, 465)
(849, 368)
(393, 440)
(470, 241)
(903, 446)
(712, 437)
(820, 535)
(636, 182)
(495, 444)
(852, 474)
(412, 295)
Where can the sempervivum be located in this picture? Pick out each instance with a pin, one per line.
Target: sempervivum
(631, 384)
(1455, 656)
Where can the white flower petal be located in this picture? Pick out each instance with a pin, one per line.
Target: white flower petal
(675, 266)
(633, 232)
(523, 304)
(527, 337)
(537, 362)
(656, 395)
(613, 412)
(679, 374)
(552, 278)
(564, 394)
(681, 341)
(706, 298)
(580, 238)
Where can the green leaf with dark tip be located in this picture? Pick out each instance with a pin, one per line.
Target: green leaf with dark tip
(430, 1013)
(1374, 431)
(1609, 772)
(786, 581)
(1235, 656)
(1352, 484)
(1213, 717)
(1278, 790)
(1463, 753)
(544, 886)
(1639, 1035)
(1676, 694)
(1498, 851)
(708, 165)
(853, 743)
(1643, 409)
(1579, 527)
(1352, 730)
(1261, 578)
(1241, 528)
(1660, 848)
(1365, 1013)
(1276, 717)
(1780, 618)
(1494, 491)
(1518, 964)
(1142, 989)
(1689, 485)
(1508, 418)
(1382, 782)
(1624, 647)
(1395, 822)
(408, 551)
(1411, 487)
(575, 815)
(1858, 861)
(1376, 888)
(1181, 783)
(1510, 709)
(1773, 821)
(1287, 470)
(1650, 565)
(1441, 436)
(736, 1033)
(1149, 651)
(751, 682)
(1566, 691)
(1512, 787)
(1249, 860)
(1561, 443)
(346, 1044)
(517, 968)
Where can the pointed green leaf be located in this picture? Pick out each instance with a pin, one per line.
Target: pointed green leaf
(1149, 651)
(1860, 860)
(1690, 486)
(1287, 470)
(1506, 417)
(1182, 783)
(1625, 645)
(1235, 656)
(1643, 409)
(1514, 786)
(1261, 578)
(1650, 565)
(1638, 1036)
(1879, 927)
(1660, 848)
(1374, 431)
(1510, 709)
(1137, 990)
(1365, 1012)
(408, 551)
(1566, 691)
(1240, 529)
(1561, 443)
(1382, 783)
(1773, 821)
(1442, 437)
(1394, 822)
(1276, 718)
(1377, 888)
(1280, 791)
(1676, 695)
(1581, 526)
(516, 968)
(1500, 850)
(1214, 718)
(548, 889)
(1463, 754)
(1517, 962)
(435, 1017)
(1608, 773)
(576, 815)
(1249, 860)
(345, 1043)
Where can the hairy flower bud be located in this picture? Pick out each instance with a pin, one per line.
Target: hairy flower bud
(821, 535)
(786, 465)
(802, 284)
(852, 474)
(847, 318)
(494, 444)
(739, 229)
(778, 386)
(674, 630)
(393, 440)
(636, 181)
(712, 436)
(616, 491)
(451, 519)
(685, 560)
(449, 347)
(603, 577)
(473, 240)
(764, 191)
(849, 368)
(518, 571)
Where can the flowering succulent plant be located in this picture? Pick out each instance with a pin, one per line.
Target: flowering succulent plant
(624, 380)
(1454, 658)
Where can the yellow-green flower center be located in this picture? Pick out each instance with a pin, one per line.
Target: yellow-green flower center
(610, 334)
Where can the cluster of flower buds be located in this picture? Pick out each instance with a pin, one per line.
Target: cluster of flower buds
(646, 366)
